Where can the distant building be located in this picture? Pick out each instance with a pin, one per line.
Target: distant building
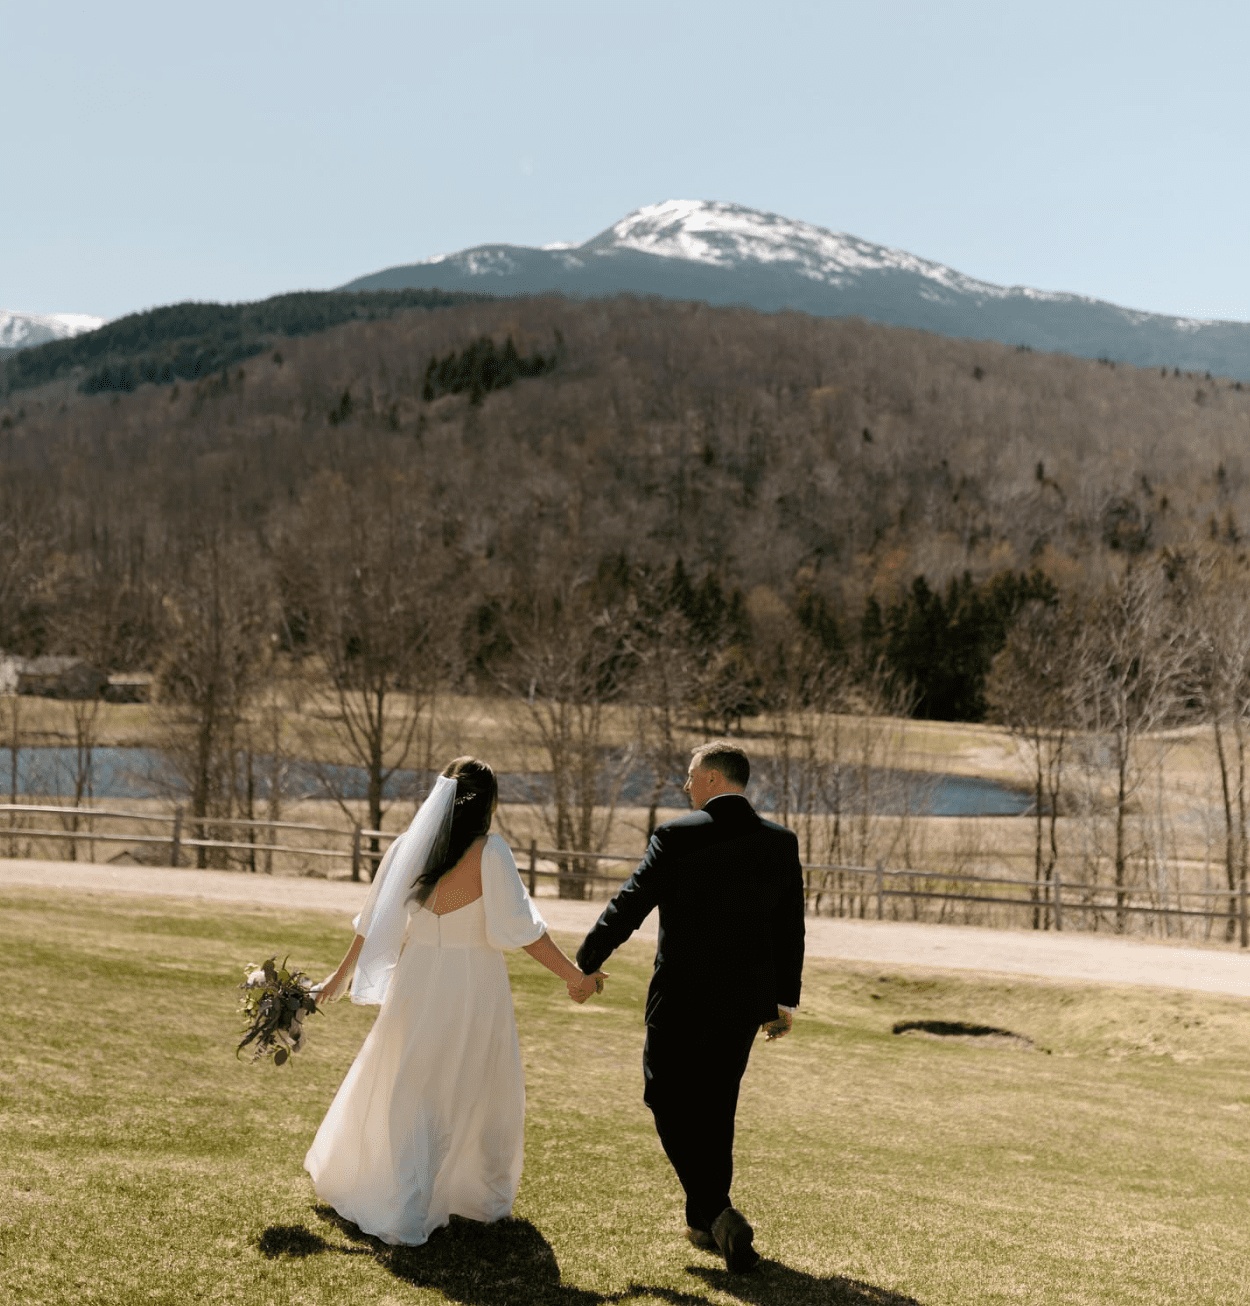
(129, 687)
(51, 677)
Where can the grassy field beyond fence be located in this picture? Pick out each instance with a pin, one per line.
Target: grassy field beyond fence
(1103, 1161)
(1175, 864)
(949, 885)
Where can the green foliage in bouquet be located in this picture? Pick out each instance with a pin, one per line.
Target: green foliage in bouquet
(274, 1005)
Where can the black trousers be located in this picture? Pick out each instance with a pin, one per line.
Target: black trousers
(691, 1075)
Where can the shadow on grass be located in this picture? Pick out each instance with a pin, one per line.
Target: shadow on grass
(774, 1284)
(987, 1035)
(497, 1264)
(510, 1261)
(296, 1241)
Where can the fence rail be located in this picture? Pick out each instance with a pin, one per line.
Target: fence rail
(1043, 896)
(865, 888)
(177, 840)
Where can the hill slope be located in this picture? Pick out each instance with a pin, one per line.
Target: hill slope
(761, 474)
(760, 444)
(192, 340)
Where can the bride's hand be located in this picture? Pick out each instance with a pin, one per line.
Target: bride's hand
(331, 989)
(589, 984)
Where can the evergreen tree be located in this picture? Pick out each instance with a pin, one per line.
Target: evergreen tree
(481, 368)
(940, 646)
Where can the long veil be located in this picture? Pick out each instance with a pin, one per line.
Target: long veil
(384, 917)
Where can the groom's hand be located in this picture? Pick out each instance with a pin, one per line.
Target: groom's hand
(775, 1029)
(579, 991)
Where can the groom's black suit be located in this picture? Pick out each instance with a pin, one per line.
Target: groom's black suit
(729, 888)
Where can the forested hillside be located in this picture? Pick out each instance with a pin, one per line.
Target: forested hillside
(764, 480)
(188, 341)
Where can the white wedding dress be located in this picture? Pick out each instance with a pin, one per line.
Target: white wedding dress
(429, 1121)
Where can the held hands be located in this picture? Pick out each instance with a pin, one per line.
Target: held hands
(579, 991)
(779, 1028)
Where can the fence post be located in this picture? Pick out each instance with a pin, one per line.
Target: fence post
(1058, 903)
(880, 892)
(175, 841)
(355, 852)
(1245, 923)
(533, 866)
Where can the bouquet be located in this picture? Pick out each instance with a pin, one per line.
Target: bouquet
(275, 1002)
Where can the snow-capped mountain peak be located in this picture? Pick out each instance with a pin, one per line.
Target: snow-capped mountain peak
(22, 330)
(730, 235)
(720, 253)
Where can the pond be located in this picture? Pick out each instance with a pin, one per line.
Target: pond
(146, 773)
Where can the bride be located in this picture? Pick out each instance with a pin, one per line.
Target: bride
(429, 1121)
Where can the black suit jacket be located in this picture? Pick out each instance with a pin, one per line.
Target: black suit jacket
(729, 887)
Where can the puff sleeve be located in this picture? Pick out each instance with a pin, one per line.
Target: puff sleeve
(512, 920)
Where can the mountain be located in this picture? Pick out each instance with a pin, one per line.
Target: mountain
(22, 330)
(728, 254)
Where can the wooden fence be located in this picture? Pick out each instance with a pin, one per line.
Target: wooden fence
(178, 839)
(864, 892)
(1049, 902)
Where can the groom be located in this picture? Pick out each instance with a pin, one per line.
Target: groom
(728, 962)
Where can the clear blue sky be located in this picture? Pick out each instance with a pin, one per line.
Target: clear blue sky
(161, 152)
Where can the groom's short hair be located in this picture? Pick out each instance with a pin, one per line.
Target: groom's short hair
(730, 760)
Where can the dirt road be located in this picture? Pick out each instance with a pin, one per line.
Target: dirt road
(885, 943)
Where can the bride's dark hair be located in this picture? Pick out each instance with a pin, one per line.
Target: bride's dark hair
(477, 791)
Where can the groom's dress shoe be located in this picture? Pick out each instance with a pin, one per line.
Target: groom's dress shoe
(702, 1238)
(734, 1237)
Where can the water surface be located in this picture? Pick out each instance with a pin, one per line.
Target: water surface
(146, 773)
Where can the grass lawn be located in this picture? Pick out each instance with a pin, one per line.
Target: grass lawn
(140, 1162)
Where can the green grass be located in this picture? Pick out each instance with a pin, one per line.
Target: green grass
(140, 1162)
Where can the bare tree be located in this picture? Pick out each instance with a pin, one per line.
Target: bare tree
(806, 686)
(371, 581)
(1222, 679)
(572, 658)
(263, 771)
(12, 709)
(664, 682)
(219, 624)
(662, 687)
(836, 772)
(1031, 690)
(24, 540)
(26, 537)
(93, 619)
(1138, 653)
